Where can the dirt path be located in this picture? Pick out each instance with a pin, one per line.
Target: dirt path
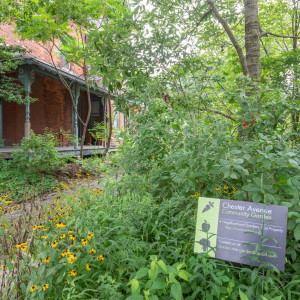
(28, 213)
(68, 190)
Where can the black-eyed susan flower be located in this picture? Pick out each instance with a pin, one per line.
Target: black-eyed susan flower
(65, 253)
(54, 244)
(88, 267)
(34, 228)
(33, 288)
(60, 225)
(45, 286)
(62, 236)
(100, 257)
(22, 246)
(90, 235)
(84, 242)
(72, 237)
(225, 187)
(71, 259)
(47, 259)
(73, 273)
(3, 267)
(44, 237)
(93, 251)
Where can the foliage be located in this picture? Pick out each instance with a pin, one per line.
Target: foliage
(32, 168)
(199, 128)
(10, 58)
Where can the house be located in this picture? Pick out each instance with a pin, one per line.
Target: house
(42, 79)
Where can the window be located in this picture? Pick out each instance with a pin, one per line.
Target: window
(116, 119)
(65, 65)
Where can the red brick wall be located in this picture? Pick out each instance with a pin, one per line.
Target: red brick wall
(33, 48)
(52, 110)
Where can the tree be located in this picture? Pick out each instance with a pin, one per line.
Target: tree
(76, 29)
(10, 88)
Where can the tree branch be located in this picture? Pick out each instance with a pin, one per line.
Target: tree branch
(231, 36)
(266, 33)
(215, 112)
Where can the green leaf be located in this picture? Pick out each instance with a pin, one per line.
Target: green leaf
(184, 275)
(176, 127)
(141, 273)
(243, 296)
(297, 232)
(176, 291)
(134, 285)
(293, 163)
(162, 265)
(158, 284)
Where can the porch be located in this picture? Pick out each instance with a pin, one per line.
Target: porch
(57, 109)
(88, 150)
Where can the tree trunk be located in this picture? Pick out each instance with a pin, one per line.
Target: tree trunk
(252, 43)
(109, 124)
(295, 28)
(85, 72)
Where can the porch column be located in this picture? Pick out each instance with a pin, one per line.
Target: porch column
(26, 76)
(75, 94)
(104, 117)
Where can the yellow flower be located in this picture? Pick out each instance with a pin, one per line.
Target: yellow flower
(22, 246)
(62, 236)
(54, 244)
(90, 235)
(47, 259)
(72, 273)
(225, 187)
(33, 288)
(93, 251)
(217, 189)
(44, 236)
(100, 257)
(84, 242)
(60, 225)
(71, 231)
(3, 267)
(88, 267)
(72, 237)
(71, 259)
(45, 286)
(66, 281)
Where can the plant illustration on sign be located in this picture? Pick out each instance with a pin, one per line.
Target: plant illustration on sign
(205, 243)
(208, 207)
(205, 226)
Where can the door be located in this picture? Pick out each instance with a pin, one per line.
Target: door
(95, 120)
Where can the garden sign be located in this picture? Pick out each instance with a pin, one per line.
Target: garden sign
(242, 232)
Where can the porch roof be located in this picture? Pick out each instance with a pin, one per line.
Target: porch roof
(45, 69)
